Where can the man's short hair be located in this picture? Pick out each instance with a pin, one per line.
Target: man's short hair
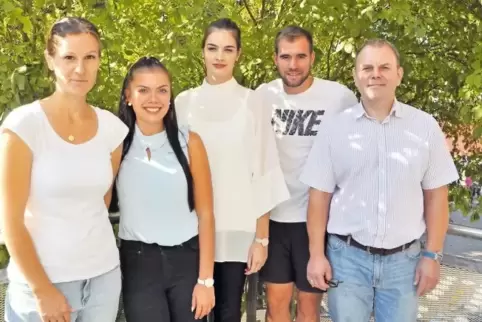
(291, 33)
(378, 42)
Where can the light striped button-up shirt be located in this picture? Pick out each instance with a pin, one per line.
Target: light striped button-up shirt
(377, 172)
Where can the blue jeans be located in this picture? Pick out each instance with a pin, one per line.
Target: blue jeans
(92, 300)
(383, 285)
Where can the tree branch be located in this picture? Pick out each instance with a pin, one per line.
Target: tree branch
(344, 63)
(250, 13)
(278, 14)
(328, 56)
(263, 8)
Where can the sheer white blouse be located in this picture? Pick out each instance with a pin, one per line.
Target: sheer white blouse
(246, 175)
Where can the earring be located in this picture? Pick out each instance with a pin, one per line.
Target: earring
(129, 104)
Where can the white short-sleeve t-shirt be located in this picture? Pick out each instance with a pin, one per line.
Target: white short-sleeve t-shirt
(65, 214)
(296, 119)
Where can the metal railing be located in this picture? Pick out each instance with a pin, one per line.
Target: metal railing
(458, 297)
(463, 231)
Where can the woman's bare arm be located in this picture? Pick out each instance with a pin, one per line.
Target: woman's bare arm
(115, 160)
(15, 170)
(203, 196)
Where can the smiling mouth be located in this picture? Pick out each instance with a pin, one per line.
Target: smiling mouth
(153, 109)
(376, 85)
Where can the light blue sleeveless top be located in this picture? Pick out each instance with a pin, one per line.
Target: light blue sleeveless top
(153, 198)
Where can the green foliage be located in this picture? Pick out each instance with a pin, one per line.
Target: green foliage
(440, 44)
(3, 256)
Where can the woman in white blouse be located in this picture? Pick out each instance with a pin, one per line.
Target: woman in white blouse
(247, 180)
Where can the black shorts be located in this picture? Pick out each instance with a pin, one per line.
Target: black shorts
(288, 255)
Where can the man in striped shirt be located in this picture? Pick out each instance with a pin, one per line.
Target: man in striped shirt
(378, 174)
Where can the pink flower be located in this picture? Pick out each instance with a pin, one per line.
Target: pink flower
(468, 182)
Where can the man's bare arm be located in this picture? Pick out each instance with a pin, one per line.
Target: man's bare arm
(318, 206)
(436, 212)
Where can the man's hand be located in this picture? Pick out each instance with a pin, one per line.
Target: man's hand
(318, 272)
(202, 301)
(427, 275)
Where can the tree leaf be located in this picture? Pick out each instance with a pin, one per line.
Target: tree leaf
(27, 24)
(478, 132)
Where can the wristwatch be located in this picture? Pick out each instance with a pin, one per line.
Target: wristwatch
(208, 282)
(263, 241)
(436, 256)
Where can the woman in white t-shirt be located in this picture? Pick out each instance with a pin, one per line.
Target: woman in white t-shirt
(246, 176)
(58, 158)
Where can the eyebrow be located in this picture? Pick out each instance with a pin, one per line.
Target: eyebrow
(70, 53)
(371, 65)
(295, 54)
(144, 86)
(229, 46)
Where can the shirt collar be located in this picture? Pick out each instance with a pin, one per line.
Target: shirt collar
(223, 87)
(154, 141)
(397, 110)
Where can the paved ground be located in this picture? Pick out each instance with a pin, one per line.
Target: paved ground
(464, 247)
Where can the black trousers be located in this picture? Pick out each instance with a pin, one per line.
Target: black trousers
(229, 280)
(158, 281)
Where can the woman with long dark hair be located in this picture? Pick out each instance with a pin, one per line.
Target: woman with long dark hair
(247, 178)
(165, 202)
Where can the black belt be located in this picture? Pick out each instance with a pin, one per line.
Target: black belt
(373, 250)
(140, 245)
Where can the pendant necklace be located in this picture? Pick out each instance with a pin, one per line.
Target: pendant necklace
(71, 137)
(148, 151)
(150, 144)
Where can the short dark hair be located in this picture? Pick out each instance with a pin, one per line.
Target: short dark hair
(223, 24)
(69, 26)
(378, 42)
(291, 33)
